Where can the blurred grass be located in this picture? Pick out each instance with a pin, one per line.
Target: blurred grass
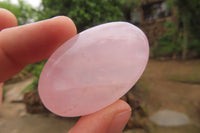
(192, 78)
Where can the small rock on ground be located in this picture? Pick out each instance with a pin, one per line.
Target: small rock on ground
(169, 118)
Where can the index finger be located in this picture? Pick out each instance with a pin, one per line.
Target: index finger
(7, 19)
(31, 43)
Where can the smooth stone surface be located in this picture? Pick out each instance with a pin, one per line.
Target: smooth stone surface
(93, 69)
(170, 118)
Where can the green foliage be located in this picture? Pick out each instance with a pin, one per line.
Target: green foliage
(85, 13)
(23, 12)
(188, 13)
(128, 7)
(36, 70)
(168, 43)
(188, 10)
(183, 37)
(32, 86)
(194, 45)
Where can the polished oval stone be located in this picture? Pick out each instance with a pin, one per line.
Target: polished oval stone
(93, 69)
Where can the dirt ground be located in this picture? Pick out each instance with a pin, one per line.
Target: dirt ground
(173, 85)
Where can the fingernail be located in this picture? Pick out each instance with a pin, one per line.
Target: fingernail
(119, 122)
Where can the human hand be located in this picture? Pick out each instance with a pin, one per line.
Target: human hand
(22, 45)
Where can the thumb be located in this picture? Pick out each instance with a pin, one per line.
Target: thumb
(111, 119)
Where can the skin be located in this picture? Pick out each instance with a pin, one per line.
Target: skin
(22, 45)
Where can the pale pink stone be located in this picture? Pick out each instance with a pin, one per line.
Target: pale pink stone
(93, 69)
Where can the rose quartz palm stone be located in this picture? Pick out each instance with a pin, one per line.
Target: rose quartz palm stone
(93, 69)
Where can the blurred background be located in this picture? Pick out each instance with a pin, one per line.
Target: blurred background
(166, 99)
